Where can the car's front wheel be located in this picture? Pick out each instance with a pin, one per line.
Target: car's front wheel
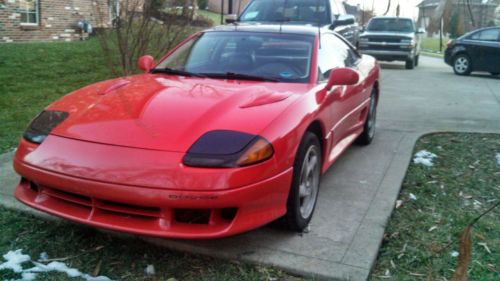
(462, 65)
(305, 184)
(369, 127)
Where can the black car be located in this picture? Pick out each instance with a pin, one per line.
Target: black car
(329, 14)
(478, 50)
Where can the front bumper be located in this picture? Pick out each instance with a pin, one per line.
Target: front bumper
(162, 212)
(448, 57)
(389, 55)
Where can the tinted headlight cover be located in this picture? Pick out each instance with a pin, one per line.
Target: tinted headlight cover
(228, 149)
(43, 124)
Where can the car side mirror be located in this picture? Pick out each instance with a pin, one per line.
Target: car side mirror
(232, 18)
(146, 63)
(343, 20)
(342, 77)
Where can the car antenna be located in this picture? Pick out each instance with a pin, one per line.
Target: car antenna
(319, 23)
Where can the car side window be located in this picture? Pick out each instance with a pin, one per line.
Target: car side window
(486, 35)
(334, 53)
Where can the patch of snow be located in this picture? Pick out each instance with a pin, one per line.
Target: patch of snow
(43, 256)
(399, 203)
(28, 276)
(413, 197)
(498, 158)
(150, 269)
(454, 254)
(425, 158)
(62, 267)
(14, 259)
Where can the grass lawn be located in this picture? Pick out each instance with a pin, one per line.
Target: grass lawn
(432, 44)
(422, 234)
(434, 55)
(36, 74)
(91, 251)
(214, 17)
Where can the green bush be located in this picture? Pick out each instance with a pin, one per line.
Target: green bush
(202, 4)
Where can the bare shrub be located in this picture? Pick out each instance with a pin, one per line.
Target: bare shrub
(128, 29)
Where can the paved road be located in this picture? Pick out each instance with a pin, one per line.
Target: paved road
(358, 193)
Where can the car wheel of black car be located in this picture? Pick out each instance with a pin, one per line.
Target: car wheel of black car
(416, 60)
(369, 128)
(305, 184)
(462, 65)
(410, 64)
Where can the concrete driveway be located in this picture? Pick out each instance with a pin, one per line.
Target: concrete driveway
(358, 193)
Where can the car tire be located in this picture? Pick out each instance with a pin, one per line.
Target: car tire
(305, 184)
(416, 60)
(462, 65)
(371, 119)
(410, 64)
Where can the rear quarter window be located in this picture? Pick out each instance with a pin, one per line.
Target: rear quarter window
(486, 35)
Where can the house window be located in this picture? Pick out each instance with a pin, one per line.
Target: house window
(29, 12)
(114, 9)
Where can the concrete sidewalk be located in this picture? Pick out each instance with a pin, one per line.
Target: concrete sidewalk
(358, 193)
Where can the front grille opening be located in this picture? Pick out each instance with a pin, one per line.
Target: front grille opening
(117, 214)
(34, 187)
(228, 213)
(192, 216)
(133, 208)
(68, 196)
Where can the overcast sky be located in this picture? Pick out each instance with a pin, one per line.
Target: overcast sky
(408, 7)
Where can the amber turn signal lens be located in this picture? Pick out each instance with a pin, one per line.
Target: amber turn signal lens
(260, 150)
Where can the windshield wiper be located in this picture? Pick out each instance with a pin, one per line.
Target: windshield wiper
(232, 75)
(176, 72)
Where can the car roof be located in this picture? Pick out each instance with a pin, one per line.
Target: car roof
(485, 28)
(467, 34)
(389, 17)
(285, 28)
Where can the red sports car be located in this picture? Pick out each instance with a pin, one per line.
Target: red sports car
(229, 131)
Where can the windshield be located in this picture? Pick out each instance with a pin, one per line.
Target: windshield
(243, 55)
(300, 11)
(392, 25)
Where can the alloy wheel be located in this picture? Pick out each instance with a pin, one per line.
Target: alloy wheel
(461, 65)
(372, 117)
(309, 181)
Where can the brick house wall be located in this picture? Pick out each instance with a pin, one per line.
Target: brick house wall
(57, 20)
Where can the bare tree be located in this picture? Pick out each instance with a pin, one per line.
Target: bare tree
(133, 28)
(441, 15)
(388, 7)
(366, 15)
(471, 14)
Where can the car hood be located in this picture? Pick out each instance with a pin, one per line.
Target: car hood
(170, 113)
(385, 34)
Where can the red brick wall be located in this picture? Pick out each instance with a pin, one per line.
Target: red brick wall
(57, 20)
